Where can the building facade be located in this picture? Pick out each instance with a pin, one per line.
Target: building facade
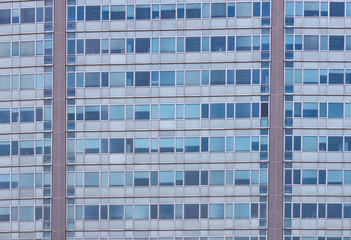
(206, 120)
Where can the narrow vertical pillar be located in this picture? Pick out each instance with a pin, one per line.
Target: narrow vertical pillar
(276, 132)
(58, 205)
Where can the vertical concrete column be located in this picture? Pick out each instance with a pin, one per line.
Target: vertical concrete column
(58, 205)
(276, 132)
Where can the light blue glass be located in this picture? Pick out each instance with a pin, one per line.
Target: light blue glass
(167, 111)
(192, 111)
(242, 144)
(155, 45)
(216, 211)
(241, 210)
(141, 212)
(309, 143)
(217, 144)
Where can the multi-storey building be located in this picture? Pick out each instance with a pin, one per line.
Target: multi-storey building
(206, 120)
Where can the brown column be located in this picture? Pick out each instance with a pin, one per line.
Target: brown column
(276, 132)
(58, 206)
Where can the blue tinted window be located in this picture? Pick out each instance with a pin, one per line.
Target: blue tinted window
(27, 115)
(243, 76)
(118, 12)
(92, 79)
(217, 110)
(334, 210)
(336, 76)
(335, 143)
(311, 9)
(192, 44)
(91, 212)
(218, 10)
(5, 16)
(311, 42)
(192, 111)
(336, 42)
(191, 177)
(142, 78)
(193, 10)
(168, 11)
(142, 45)
(309, 177)
(217, 144)
(310, 143)
(116, 145)
(241, 210)
(191, 211)
(310, 110)
(92, 12)
(27, 15)
(218, 44)
(243, 110)
(4, 115)
(335, 110)
(309, 210)
(337, 9)
(217, 77)
(192, 144)
(167, 78)
(167, 44)
(243, 43)
(92, 46)
(142, 12)
(116, 211)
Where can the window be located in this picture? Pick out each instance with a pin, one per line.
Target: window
(336, 76)
(191, 78)
(336, 42)
(243, 10)
(4, 49)
(141, 211)
(91, 212)
(142, 78)
(116, 211)
(168, 11)
(309, 177)
(118, 12)
(191, 178)
(311, 42)
(92, 46)
(142, 11)
(217, 77)
(243, 76)
(310, 109)
(218, 44)
(26, 180)
(310, 143)
(218, 10)
(5, 149)
(27, 15)
(142, 112)
(191, 211)
(167, 78)
(27, 115)
(167, 44)
(26, 213)
(5, 16)
(116, 178)
(27, 48)
(311, 9)
(167, 111)
(335, 110)
(4, 80)
(337, 9)
(117, 79)
(241, 210)
(116, 145)
(216, 210)
(192, 144)
(334, 210)
(4, 213)
(193, 10)
(309, 210)
(242, 177)
(243, 43)
(310, 76)
(216, 177)
(141, 179)
(92, 13)
(91, 179)
(192, 111)
(334, 177)
(335, 143)
(117, 45)
(92, 145)
(142, 45)
(243, 110)
(166, 178)
(217, 144)
(166, 211)
(117, 112)
(217, 110)
(27, 147)
(192, 44)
